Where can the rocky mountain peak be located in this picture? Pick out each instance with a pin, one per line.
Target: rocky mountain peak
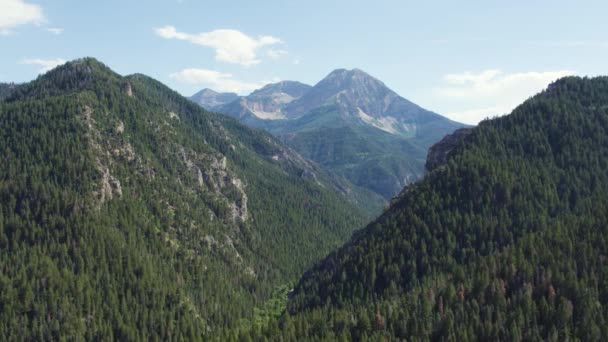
(344, 79)
(209, 99)
(352, 90)
(77, 75)
(292, 88)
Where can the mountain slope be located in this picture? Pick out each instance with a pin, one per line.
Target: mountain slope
(6, 89)
(505, 240)
(264, 104)
(352, 124)
(210, 99)
(364, 155)
(128, 212)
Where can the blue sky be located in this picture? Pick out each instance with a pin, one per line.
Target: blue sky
(463, 59)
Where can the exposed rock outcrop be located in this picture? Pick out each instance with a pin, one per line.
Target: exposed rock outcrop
(239, 212)
(265, 103)
(212, 174)
(120, 127)
(109, 186)
(108, 151)
(127, 89)
(86, 116)
(439, 153)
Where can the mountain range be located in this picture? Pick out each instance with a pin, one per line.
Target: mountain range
(350, 123)
(127, 212)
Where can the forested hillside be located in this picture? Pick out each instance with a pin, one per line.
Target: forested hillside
(128, 212)
(505, 241)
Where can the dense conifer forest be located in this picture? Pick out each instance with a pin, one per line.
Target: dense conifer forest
(505, 241)
(128, 212)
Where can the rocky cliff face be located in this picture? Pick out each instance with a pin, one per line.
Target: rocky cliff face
(266, 103)
(439, 153)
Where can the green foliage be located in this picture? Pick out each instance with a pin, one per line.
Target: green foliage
(506, 241)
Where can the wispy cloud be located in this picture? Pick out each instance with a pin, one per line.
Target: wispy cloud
(473, 116)
(231, 46)
(491, 92)
(15, 13)
(43, 64)
(55, 30)
(219, 81)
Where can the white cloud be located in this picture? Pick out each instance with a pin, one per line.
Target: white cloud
(491, 92)
(230, 46)
(44, 64)
(55, 30)
(222, 82)
(14, 13)
(276, 53)
(473, 116)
